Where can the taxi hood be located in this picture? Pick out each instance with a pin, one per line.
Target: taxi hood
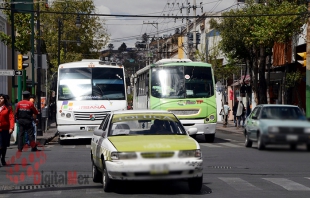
(142, 143)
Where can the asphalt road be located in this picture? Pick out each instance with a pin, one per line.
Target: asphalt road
(230, 170)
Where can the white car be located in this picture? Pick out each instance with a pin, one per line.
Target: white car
(145, 145)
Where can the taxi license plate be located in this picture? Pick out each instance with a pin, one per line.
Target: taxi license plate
(159, 169)
(91, 128)
(291, 137)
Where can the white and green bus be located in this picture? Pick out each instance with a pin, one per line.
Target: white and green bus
(183, 87)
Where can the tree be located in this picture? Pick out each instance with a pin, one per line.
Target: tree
(122, 48)
(111, 46)
(254, 33)
(22, 28)
(92, 33)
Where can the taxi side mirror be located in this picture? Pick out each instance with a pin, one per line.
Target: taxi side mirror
(100, 133)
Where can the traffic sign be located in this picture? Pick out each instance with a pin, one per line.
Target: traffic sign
(8, 72)
(18, 73)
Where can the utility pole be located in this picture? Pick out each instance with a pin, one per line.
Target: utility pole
(39, 64)
(154, 23)
(194, 7)
(194, 28)
(308, 67)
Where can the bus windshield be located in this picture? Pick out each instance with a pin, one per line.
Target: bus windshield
(181, 82)
(91, 84)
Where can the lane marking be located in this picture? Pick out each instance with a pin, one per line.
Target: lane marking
(239, 184)
(47, 193)
(288, 184)
(229, 144)
(209, 145)
(68, 146)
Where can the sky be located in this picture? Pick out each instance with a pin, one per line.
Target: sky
(129, 29)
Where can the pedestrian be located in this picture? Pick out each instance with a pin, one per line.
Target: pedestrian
(6, 126)
(24, 114)
(240, 112)
(34, 121)
(235, 107)
(53, 111)
(226, 112)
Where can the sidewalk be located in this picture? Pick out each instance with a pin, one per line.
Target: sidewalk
(229, 128)
(49, 134)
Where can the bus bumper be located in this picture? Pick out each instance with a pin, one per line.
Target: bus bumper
(72, 132)
(201, 127)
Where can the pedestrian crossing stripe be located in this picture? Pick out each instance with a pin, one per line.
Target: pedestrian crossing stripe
(239, 184)
(242, 185)
(288, 184)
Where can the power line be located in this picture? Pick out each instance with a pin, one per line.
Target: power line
(154, 16)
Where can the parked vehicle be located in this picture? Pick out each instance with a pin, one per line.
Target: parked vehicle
(145, 145)
(277, 124)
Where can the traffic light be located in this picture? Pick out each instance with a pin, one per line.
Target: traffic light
(190, 37)
(20, 63)
(198, 37)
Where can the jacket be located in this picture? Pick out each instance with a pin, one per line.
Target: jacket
(6, 118)
(25, 110)
(240, 109)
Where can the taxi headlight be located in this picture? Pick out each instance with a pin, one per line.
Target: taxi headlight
(123, 155)
(190, 153)
(273, 129)
(307, 130)
(68, 115)
(212, 117)
(62, 114)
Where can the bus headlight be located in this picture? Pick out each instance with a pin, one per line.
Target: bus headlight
(212, 117)
(68, 115)
(62, 114)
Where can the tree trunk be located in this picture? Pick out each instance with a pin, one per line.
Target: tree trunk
(255, 83)
(262, 80)
(268, 78)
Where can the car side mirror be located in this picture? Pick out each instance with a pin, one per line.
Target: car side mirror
(100, 133)
(192, 131)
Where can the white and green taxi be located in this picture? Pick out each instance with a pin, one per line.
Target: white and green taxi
(145, 145)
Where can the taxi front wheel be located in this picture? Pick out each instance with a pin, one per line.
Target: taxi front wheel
(195, 184)
(96, 174)
(107, 183)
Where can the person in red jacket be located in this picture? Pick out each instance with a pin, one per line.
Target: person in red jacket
(24, 115)
(6, 126)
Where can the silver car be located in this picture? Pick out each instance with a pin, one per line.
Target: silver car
(277, 124)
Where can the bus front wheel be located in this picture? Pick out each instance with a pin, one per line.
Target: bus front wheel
(209, 138)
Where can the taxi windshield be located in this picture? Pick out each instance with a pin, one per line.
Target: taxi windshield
(146, 124)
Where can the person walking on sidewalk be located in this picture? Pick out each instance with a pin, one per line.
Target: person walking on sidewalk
(6, 126)
(235, 107)
(24, 114)
(240, 113)
(226, 112)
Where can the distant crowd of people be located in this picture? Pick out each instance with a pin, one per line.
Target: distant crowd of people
(240, 113)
